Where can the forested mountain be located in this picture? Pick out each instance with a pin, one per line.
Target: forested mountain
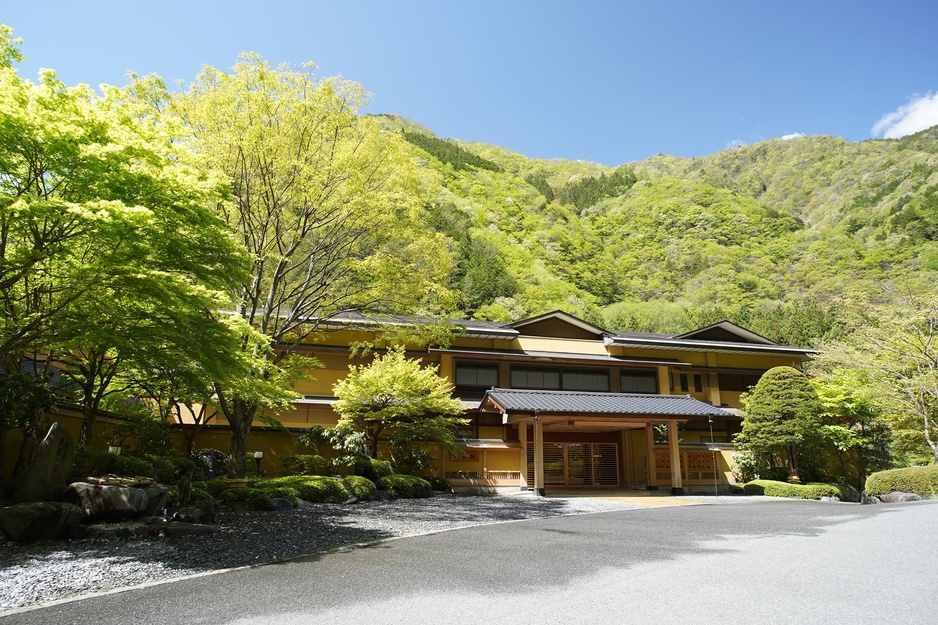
(770, 235)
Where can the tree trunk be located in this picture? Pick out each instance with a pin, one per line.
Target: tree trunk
(793, 476)
(241, 418)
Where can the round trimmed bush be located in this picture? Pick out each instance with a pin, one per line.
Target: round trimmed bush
(360, 487)
(440, 484)
(919, 480)
(314, 488)
(406, 486)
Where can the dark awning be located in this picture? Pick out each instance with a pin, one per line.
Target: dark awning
(545, 403)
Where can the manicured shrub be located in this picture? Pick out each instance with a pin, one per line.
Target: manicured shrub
(406, 486)
(284, 492)
(359, 486)
(304, 464)
(919, 480)
(253, 498)
(89, 462)
(440, 484)
(372, 468)
(195, 494)
(793, 491)
(215, 486)
(314, 488)
(127, 465)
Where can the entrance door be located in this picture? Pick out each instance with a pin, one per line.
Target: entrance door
(577, 464)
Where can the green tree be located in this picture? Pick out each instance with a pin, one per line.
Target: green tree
(326, 205)
(398, 400)
(782, 419)
(855, 425)
(106, 237)
(895, 351)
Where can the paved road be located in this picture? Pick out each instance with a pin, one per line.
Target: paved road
(752, 562)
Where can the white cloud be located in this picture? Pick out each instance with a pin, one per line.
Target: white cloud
(794, 135)
(920, 113)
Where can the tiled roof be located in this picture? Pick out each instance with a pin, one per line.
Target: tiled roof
(573, 402)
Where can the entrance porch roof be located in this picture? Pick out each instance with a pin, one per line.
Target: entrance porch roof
(573, 403)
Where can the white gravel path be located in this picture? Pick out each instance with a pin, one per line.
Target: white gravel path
(48, 571)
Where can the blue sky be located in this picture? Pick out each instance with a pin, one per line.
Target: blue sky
(603, 81)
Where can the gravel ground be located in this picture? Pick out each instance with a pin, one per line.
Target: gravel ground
(49, 571)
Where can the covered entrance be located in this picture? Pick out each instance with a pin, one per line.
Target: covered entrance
(566, 416)
(577, 464)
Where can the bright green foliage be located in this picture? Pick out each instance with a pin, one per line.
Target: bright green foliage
(396, 398)
(782, 421)
(856, 429)
(312, 488)
(108, 248)
(359, 486)
(919, 480)
(895, 353)
(325, 204)
(794, 491)
(406, 486)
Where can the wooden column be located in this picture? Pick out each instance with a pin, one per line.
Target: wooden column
(538, 455)
(651, 479)
(676, 484)
(523, 437)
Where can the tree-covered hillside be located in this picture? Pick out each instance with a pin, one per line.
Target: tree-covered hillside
(769, 235)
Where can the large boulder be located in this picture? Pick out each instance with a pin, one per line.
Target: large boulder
(209, 463)
(198, 512)
(42, 520)
(111, 503)
(46, 475)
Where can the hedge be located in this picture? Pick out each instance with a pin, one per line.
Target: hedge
(360, 487)
(406, 486)
(919, 480)
(440, 484)
(793, 491)
(313, 488)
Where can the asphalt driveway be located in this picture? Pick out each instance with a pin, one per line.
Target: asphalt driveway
(748, 562)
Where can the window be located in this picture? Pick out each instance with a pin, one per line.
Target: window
(593, 380)
(737, 381)
(639, 382)
(535, 378)
(473, 380)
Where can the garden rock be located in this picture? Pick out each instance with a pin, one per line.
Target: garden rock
(281, 504)
(46, 475)
(198, 512)
(42, 520)
(102, 503)
(869, 499)
(899, 497)
(174, 529)
(209, 463)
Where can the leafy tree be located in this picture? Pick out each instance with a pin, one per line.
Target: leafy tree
(325, 204)
(855, 425)
(398, 400)
(448, 152)
(896, 351)
(104, 233)
(782, 419)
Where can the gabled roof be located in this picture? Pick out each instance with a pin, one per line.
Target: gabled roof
(557, 316)
(516, 401)
(727, 332)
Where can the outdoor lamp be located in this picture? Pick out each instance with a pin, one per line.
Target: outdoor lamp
(258, 455)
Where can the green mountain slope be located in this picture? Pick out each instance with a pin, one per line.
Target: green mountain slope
(769, 235)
